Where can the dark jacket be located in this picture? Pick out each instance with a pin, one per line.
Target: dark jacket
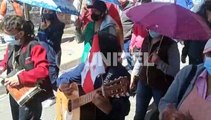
(126, 22)
(157, 75)
(120, 106)
(194, 48)
(51, 53)
(54, 34)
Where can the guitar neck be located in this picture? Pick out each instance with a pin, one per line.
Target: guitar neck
(116, 87)
(84, 99)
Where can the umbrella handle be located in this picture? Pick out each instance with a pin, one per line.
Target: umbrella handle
(161, 40)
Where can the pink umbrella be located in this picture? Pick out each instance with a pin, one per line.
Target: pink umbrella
(170, 20)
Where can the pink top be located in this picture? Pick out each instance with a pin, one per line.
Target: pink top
(197, 107)
(139, 33)
(201, 84)
(197, 103)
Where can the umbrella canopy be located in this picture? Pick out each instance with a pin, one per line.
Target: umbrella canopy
(112, 1)
(170, 20)
(65, 6)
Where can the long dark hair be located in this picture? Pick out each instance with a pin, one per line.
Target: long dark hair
(108, 43)
(53, 15)
(14, 22)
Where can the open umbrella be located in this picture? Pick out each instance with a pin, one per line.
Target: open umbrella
(65, 6)
(170, 20)
(112, 1)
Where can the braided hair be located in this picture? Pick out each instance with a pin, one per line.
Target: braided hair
(14, 22)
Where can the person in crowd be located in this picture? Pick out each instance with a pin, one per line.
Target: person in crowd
(50, 36)
(53, 29)
(4, 8)
(102, 22)
(197, 5)
(193, 5)
(25, 54)
(127, 25)
(155, 78)
(116, 108)
(188, 97)
(138, 35)
(196, 55)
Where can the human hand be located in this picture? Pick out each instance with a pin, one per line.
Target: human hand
(181, 116)
(45, 24)
(85, 8)
(168, 112)
(171, 113)
(133, 84)
(12, 81)
(154, 58)
(133, 81)
(102, 103)
(78, 24)
(131, 50)
(66, 88)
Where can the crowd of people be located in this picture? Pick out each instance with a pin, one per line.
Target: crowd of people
(105, 28)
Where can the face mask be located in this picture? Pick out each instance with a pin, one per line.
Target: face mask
(207, 64)
(154, 34)
(95, 17)
(9, 39)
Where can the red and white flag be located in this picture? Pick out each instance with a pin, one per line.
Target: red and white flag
(93, 67)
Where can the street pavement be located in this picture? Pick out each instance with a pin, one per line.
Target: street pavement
(71, 52)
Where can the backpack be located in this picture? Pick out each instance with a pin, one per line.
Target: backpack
(53, 68)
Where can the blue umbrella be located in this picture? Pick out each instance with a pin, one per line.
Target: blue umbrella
(64, 6)
(112, 1)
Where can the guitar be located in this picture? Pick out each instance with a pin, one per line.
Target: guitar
(78, 104)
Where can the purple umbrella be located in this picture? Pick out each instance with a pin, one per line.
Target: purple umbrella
(170, 20)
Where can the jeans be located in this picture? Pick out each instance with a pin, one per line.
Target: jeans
(30, 111)
(130, 63)
(58, 58)
(144, 94)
